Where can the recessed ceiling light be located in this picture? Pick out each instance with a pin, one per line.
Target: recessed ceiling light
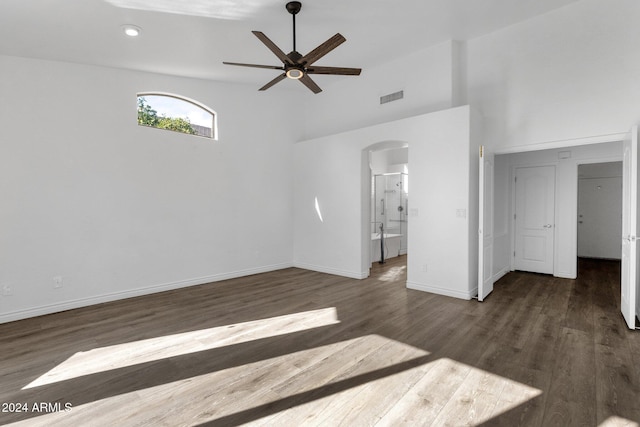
(131, 30)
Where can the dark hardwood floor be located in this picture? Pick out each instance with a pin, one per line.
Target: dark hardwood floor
(296, 347)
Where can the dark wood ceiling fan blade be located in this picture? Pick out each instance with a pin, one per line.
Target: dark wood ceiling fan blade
(274, 81)
(271, 67)
(306, 80)
(334, 70)
(322, 50)
(273, 47)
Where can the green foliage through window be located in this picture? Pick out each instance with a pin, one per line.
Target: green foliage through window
(175, 115)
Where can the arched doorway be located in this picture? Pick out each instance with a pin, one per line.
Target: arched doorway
(384, 163)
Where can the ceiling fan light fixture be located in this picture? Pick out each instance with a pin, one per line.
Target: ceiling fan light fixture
(295, 73)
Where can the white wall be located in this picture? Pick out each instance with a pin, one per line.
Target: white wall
(566, 198)
(441, 217)
(564, 78)
(571, 73)
(427, 77)
(392, 160)
(119, 210)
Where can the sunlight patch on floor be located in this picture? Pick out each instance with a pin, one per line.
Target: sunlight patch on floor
(615, 421)
(137, 352)
(242, 388)
(366, 380)
(393, 274)
(479, 396)
(440, 392)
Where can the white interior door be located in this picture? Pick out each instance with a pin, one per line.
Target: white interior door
(534, 218)
(485, 224)
(629, 280)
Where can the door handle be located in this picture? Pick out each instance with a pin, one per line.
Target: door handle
(548, 226)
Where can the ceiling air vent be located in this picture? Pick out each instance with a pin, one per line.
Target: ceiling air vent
(391, 97)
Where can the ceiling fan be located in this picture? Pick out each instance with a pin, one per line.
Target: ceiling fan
(297, 66)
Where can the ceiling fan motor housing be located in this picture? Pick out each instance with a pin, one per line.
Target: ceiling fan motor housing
(294, 56)
(296, 70)
(293, 7)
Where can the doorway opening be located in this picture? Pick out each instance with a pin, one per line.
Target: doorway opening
(600, 210)
(386, 174)
(562, 224)
(389, 231)
(591, 207)
(561, 219)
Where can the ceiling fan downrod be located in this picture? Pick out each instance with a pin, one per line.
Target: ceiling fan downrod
(293, 7)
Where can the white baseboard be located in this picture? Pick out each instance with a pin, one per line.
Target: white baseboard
(442, 291)
(564, 275)
(323, 269)
(99, 299)
(500, 274)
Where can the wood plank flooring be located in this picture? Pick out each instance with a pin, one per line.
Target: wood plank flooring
(296, 347)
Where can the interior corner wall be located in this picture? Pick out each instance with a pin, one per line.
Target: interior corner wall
(349, 103)
(475, 140)
(570, 73)
(330, 206)
(459, 73)
(119, 210)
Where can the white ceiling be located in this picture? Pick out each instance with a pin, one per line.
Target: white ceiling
(192, 37)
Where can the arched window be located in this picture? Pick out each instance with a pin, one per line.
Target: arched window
(176, 113)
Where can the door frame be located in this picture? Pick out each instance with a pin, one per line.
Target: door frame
(548, 265)
(611, 159)
(366, 188)
(629, 232)
(512, 224)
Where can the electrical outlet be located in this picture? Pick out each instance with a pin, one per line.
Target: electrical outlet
(57, 282)
(7, 290)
